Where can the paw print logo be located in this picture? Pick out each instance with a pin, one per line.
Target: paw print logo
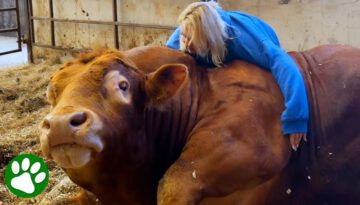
(26, 176)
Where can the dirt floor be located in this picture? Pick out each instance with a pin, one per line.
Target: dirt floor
(22, 106)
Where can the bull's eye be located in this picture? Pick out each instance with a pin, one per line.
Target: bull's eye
(123, 86)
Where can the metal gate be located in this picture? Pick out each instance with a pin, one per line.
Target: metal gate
(17, 28)
(54, 45)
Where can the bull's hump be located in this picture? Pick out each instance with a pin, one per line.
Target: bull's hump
(242, 75)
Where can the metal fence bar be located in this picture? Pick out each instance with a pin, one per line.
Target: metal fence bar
(8, 9)
(116, 28)
(105, 23)
(31, 38)
(8, 30)
(52, 28)
(61, 48)
(12, 51)
(31, 21)
(18, 24)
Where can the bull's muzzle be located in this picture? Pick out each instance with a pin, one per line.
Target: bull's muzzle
(70, 137)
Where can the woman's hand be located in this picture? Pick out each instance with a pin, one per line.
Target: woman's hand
(295, 140)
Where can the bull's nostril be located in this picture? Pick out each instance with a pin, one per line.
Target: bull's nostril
(46, 124)
(78, 119)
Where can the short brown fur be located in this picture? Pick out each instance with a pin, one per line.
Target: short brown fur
(217, 138)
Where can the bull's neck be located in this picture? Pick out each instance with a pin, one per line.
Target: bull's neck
(165, 132)
(169, 126)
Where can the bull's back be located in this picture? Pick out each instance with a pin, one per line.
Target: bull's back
(332, 74)
(325, 170)
(329, 165)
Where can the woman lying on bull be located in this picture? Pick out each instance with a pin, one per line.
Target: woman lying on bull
(215, 37)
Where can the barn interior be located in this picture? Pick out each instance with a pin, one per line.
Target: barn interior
(38, 36)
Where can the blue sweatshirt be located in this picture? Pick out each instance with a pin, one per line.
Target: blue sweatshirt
(253, 40)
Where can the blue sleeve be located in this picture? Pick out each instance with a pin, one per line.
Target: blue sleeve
(174, 40)
(295, 117)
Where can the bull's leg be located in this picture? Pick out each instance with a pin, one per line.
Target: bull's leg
(84, 198)
(213, 165)
(178, 190)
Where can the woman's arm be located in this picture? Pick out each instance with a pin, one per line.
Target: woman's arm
(284, 69)
(174, 40)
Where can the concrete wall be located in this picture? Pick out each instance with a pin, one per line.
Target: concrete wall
(300, 24)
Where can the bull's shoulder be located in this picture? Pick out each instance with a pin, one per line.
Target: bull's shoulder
(241, 74)
(240, 88)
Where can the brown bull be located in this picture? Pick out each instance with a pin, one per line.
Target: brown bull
(149, 126)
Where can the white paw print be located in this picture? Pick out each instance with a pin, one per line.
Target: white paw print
(25, 181)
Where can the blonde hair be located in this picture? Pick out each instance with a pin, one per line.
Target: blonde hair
(208, 32)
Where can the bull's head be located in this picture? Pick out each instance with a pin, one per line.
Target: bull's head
(97, 102)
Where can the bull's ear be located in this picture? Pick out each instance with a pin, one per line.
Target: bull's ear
(163, 83)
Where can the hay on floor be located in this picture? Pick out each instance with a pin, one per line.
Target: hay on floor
(22, 106)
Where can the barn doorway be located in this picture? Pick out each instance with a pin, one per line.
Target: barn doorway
(14, 33)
